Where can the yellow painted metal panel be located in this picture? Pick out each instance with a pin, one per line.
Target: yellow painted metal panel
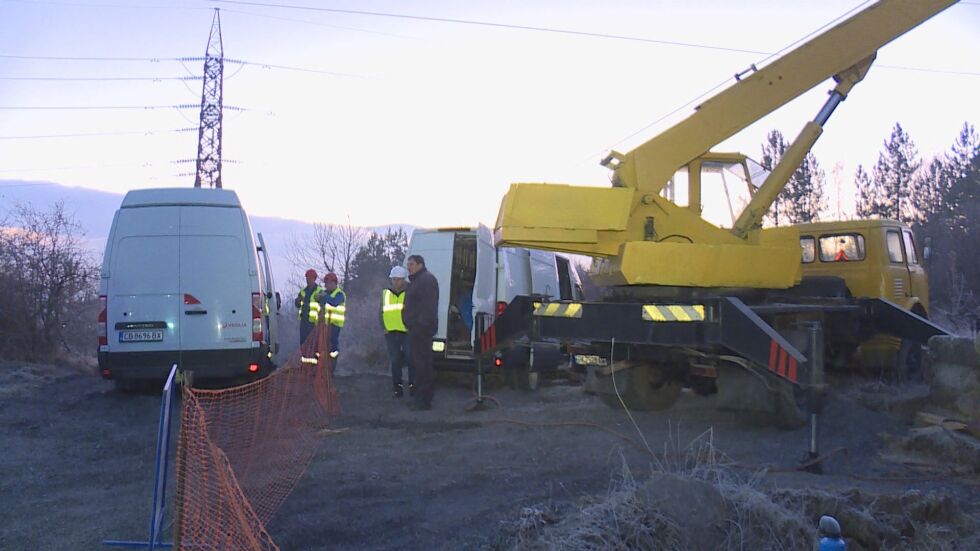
(558, 309)
(673, 312)
(696, 265)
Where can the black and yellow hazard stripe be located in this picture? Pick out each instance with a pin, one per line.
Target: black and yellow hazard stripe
(673, 312)
(558, 309)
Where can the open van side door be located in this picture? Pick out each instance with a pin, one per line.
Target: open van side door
(272, 299)
(485, 284)
(544, 274)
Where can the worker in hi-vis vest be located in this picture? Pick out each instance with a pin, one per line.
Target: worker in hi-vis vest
(396, 338)
(333, 309)
(308, 305)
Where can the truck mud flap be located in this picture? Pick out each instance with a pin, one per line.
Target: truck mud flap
(890, 318)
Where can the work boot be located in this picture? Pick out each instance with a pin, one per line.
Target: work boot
(399, 390)
(411, 389)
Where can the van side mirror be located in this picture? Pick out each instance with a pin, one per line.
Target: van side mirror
(278, 301)
(927, 248)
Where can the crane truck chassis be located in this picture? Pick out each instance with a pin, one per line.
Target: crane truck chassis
(687, 300)
(714, 344)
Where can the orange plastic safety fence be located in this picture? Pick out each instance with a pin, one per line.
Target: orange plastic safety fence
(242, 450)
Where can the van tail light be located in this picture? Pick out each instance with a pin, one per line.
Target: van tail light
(190, 299)
(103, 333)
(501, 306)
(253, 368)
(257, 317)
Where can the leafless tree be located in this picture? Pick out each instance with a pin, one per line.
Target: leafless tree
(330, 248)
(48, 281)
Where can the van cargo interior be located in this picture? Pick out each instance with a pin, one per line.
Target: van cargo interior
(460, 316)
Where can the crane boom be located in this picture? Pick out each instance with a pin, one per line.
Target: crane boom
(643, 234)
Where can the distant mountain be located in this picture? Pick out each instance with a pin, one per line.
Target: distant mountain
(94, 209)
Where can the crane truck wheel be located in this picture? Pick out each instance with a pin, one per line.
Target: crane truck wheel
(908, 363)
(643, 387)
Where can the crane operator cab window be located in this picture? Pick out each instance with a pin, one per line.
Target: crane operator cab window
(842, 248)
(726, 187)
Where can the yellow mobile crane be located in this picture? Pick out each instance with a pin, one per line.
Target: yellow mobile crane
(686, 301)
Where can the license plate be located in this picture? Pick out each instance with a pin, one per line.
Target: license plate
(140, 336)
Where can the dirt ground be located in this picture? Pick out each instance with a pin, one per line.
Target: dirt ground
(78, 458)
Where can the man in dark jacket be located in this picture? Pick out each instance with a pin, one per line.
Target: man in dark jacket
(421, 318)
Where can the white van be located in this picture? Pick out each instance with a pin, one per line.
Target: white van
(470, 270)
(182, 283)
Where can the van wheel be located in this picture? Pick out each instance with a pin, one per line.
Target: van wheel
(644, 387)
(524, 378)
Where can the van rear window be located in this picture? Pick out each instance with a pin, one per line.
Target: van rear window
(145, 264)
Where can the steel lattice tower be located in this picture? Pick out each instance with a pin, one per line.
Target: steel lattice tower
(209, 135)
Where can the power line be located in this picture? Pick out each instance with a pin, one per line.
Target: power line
(85, 58)
(491, 24)
(107, 107)
(77, 167)
(99, 134)
(170, 59)
(113, 79)
(317, 23)
(936, 71)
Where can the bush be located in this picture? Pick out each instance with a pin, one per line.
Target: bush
(48, 298)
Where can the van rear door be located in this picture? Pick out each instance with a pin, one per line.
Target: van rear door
(485, 284)
(215, 280)
(142, 292)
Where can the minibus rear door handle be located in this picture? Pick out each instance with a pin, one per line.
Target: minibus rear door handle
(195, 312)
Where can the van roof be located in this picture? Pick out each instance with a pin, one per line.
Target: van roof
(181, 196)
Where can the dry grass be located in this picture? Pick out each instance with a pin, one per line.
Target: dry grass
(695, 499)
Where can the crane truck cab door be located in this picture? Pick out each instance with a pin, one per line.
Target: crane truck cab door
(485, 281)
(918, 281)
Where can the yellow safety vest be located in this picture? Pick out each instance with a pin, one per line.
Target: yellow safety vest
(314, 315)
(335, 314)
(391, 310)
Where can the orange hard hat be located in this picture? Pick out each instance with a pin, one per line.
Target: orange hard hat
(330, 277)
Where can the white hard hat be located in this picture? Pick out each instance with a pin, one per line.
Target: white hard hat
(398, 271)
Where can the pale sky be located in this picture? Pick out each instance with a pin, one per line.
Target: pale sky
(425, 122)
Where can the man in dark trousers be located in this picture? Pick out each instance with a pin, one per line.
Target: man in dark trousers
(421, 318)
(308, 305)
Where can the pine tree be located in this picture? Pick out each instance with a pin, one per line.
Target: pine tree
(772, 151)
(894, 173)
(804, 194)
(870, 195)
(947, 197)
(375, 258)
(803, 197)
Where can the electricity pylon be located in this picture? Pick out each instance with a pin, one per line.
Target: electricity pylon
(209, 134)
